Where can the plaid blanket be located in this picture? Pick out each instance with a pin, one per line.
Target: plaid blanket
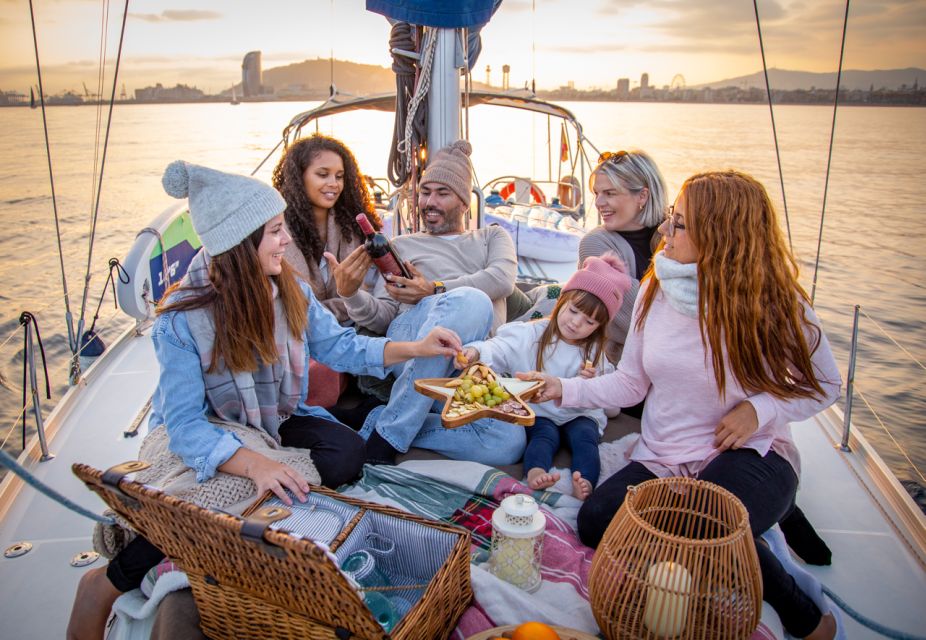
(466, 494)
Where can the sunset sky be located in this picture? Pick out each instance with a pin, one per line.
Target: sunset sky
(591, 42)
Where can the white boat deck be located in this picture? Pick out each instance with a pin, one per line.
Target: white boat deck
(874, 569)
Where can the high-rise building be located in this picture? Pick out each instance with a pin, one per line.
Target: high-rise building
(506, 70)
(644, 81)
(251, 74)
(623, 88)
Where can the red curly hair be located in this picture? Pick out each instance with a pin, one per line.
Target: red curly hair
(750, 304)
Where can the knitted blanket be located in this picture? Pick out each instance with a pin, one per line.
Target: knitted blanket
(224, 491)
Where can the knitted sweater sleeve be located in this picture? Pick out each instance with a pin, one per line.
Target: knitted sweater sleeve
(497, 279)
(595, 243)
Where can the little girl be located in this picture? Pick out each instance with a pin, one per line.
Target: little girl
(571, 342)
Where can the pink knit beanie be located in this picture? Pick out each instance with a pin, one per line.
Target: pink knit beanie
(451, 166)
(604, 277)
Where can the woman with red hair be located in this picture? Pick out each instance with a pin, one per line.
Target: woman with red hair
(727, 351)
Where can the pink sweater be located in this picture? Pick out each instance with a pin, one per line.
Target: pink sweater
(667, 364)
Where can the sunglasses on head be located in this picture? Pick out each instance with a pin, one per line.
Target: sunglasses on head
(612, 156)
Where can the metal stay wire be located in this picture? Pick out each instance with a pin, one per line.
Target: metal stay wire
(897, 444)
(771, 112)
(829, 157)
(72, 343)
(96, 209)
(891, 338)
(100, 81)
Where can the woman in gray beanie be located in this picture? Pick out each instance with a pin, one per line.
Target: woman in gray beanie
(233, 341)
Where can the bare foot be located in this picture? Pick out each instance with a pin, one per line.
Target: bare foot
(538, 478)
(826, 628)
(581, 488)
(92, 604)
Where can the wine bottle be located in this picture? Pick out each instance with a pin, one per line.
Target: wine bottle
(381, 250)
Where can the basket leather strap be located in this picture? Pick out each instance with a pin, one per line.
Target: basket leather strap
(114, 475)
(255, 525)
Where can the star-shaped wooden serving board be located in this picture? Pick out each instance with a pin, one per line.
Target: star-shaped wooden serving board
(458, 411)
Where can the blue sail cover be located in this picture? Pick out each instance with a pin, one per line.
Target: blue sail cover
(432, 13)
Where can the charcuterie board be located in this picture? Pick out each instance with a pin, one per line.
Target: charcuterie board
(478, 392)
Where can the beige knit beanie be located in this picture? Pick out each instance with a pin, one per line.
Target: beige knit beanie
(451, 166)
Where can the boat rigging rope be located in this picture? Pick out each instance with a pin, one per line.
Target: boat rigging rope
(771, 111)
(69, 319)
(24, 319)
(865, 621)
(829, 157)
(410, 119)
(96, 208)
(6, 460)
(123, 275)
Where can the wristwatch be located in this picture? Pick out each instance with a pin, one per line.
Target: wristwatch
(439, 287)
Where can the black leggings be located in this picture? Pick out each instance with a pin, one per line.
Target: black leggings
(766, 485)
(338, 453)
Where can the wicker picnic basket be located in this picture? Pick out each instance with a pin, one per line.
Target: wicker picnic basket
(677, 561)
(252, 580)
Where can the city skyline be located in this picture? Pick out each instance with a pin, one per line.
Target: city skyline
(203, 43)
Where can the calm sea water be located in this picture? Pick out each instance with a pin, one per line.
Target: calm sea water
(873, 236)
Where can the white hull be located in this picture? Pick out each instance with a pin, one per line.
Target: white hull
(874, 529)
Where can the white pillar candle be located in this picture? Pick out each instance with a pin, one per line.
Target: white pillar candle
(667, 595)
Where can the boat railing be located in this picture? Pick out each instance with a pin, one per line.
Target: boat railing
(27, 327)
(853, 390)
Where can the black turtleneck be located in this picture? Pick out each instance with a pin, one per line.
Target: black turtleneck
(639, 241)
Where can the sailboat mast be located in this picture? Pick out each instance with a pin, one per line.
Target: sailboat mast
(444, 92)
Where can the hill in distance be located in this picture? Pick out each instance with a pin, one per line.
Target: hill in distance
(362, 79)
(315, 75)
(784, 79)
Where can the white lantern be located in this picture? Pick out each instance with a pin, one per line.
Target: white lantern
(517, 542)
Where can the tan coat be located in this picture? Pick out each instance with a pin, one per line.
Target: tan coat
(325, 291)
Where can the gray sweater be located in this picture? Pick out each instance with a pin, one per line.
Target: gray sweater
(484, 259)
(596, 242)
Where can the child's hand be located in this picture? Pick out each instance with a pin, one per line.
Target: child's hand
(465, 357)
(588, 370)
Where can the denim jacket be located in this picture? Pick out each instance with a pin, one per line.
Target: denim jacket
(179, 401)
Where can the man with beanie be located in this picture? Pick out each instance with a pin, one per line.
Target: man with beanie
(460, 280)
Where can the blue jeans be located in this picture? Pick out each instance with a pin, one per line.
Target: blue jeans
(581, 435)
(766, 485)
(407, 419)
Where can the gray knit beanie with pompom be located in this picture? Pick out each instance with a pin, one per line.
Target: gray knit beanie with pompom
(225, 208)
(451, 166)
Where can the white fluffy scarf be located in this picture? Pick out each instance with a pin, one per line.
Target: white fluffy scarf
(680, 284)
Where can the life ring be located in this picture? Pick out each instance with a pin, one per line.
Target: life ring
(536, 194)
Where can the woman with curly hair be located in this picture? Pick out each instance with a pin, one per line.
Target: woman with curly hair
(324, 191)
(727, 351)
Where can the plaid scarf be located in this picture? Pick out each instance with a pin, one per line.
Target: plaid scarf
(263, 398)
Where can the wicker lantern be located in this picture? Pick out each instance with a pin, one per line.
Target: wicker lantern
(517, 541)
(677, 561)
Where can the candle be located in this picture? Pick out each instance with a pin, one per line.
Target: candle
(514, 562)
(667, 594)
